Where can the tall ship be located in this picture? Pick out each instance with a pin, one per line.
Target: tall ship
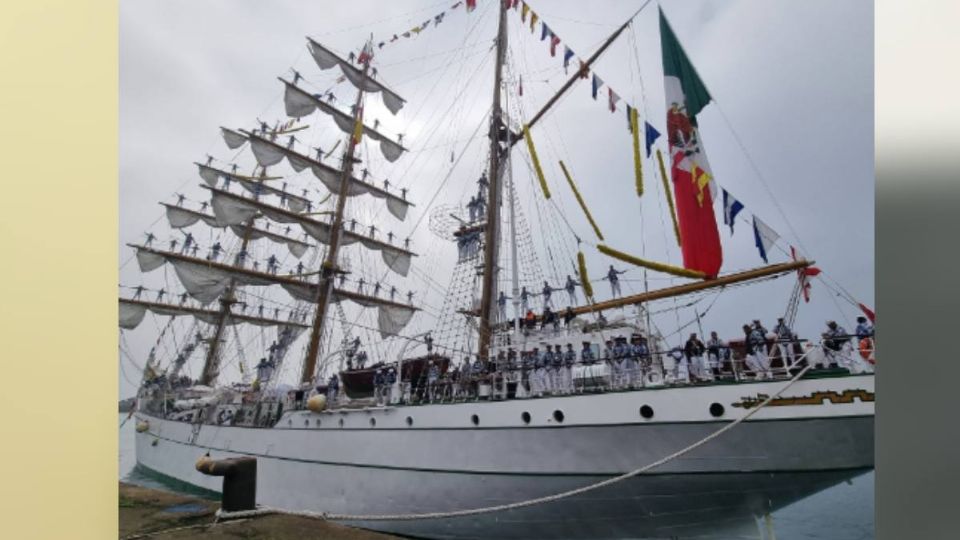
(282, 316)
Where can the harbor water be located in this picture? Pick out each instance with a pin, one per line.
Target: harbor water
(842, 512)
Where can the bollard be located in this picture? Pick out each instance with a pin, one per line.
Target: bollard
(239, 481)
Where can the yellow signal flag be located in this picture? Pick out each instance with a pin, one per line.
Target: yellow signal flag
(584, 278)
(666, 190)
(536, 161)
(583, 205)
(652, 265)
(637, 158)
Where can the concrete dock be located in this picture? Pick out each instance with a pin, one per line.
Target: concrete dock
(149, 513)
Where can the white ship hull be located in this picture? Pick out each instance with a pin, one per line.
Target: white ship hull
(443, 461)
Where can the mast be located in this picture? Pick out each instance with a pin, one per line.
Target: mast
(492, 227)
(329, 268)
(211, 365)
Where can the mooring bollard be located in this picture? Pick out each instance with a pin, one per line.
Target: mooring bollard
(239, 481)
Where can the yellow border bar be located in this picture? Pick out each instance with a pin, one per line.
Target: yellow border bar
(659, 267)
(583, 205)
(536, 161)
(666, 190)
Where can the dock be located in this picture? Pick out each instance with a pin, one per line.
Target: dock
(161, 515)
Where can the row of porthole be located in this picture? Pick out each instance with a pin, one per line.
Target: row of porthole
(646, 411)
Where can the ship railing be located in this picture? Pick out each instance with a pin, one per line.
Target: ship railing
(656, 370)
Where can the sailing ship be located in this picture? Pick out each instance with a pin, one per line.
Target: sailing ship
(403, 435)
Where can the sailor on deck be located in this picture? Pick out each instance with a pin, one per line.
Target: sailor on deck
(614, 281)
(272, 264)
(137, 291)
(757, 360)
(477, 372)
(609, 357)
(150, 239)
(539, 373)
(714, 357)
(785, 341)
(215, 251)
(682, 366)
(173, 244)
(378, 386)
(836, 341)
(160, 294)
(390, 395)
(433, 375)
(640, 357)
(183, 298)
(864, 333)
(694, 350)
(333, 387)
(864, 329)
(569, 359)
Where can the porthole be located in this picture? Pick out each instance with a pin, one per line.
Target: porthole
(646, 411)
(475, 419)
(341, 422)
(558, 416)
(716, 409)
(525, 417)
(318, 422)
(373, 422)
(289, 421)
(409, 421)
(306, 423)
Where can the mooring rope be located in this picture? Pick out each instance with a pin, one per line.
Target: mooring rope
(521, 504)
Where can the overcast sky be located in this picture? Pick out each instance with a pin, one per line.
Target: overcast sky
(792, 81)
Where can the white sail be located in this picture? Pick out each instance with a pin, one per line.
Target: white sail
(132, 313)
(232, 209)
(206, 281)
(181, 218)
(270, 153)
(326, 59)
(233, 139)
(257, 186)
(300, 103)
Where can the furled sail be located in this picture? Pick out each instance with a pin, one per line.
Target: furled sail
(212, 175)
(232, 209)
(300, 103)
(269, 153)
(326, 59)
(133, 311)
(206, 280)
(180, 218)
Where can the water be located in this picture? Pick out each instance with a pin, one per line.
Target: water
(843, 512)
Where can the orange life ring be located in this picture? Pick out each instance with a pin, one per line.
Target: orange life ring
(866, 350)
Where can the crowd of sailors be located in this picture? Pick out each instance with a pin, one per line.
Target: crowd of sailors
(623, 364)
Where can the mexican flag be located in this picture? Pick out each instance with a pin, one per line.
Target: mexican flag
(693, 185)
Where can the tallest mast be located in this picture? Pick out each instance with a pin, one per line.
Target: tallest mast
(492, 228)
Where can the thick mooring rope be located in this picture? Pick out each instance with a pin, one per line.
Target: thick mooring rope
(521, 504)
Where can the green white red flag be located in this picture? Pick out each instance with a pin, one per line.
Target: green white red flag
(694, 188)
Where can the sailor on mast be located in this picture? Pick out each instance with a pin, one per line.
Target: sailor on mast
(571, 288)
(615, 281)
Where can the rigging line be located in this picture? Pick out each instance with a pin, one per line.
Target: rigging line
(756, 171)
(385, 19)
